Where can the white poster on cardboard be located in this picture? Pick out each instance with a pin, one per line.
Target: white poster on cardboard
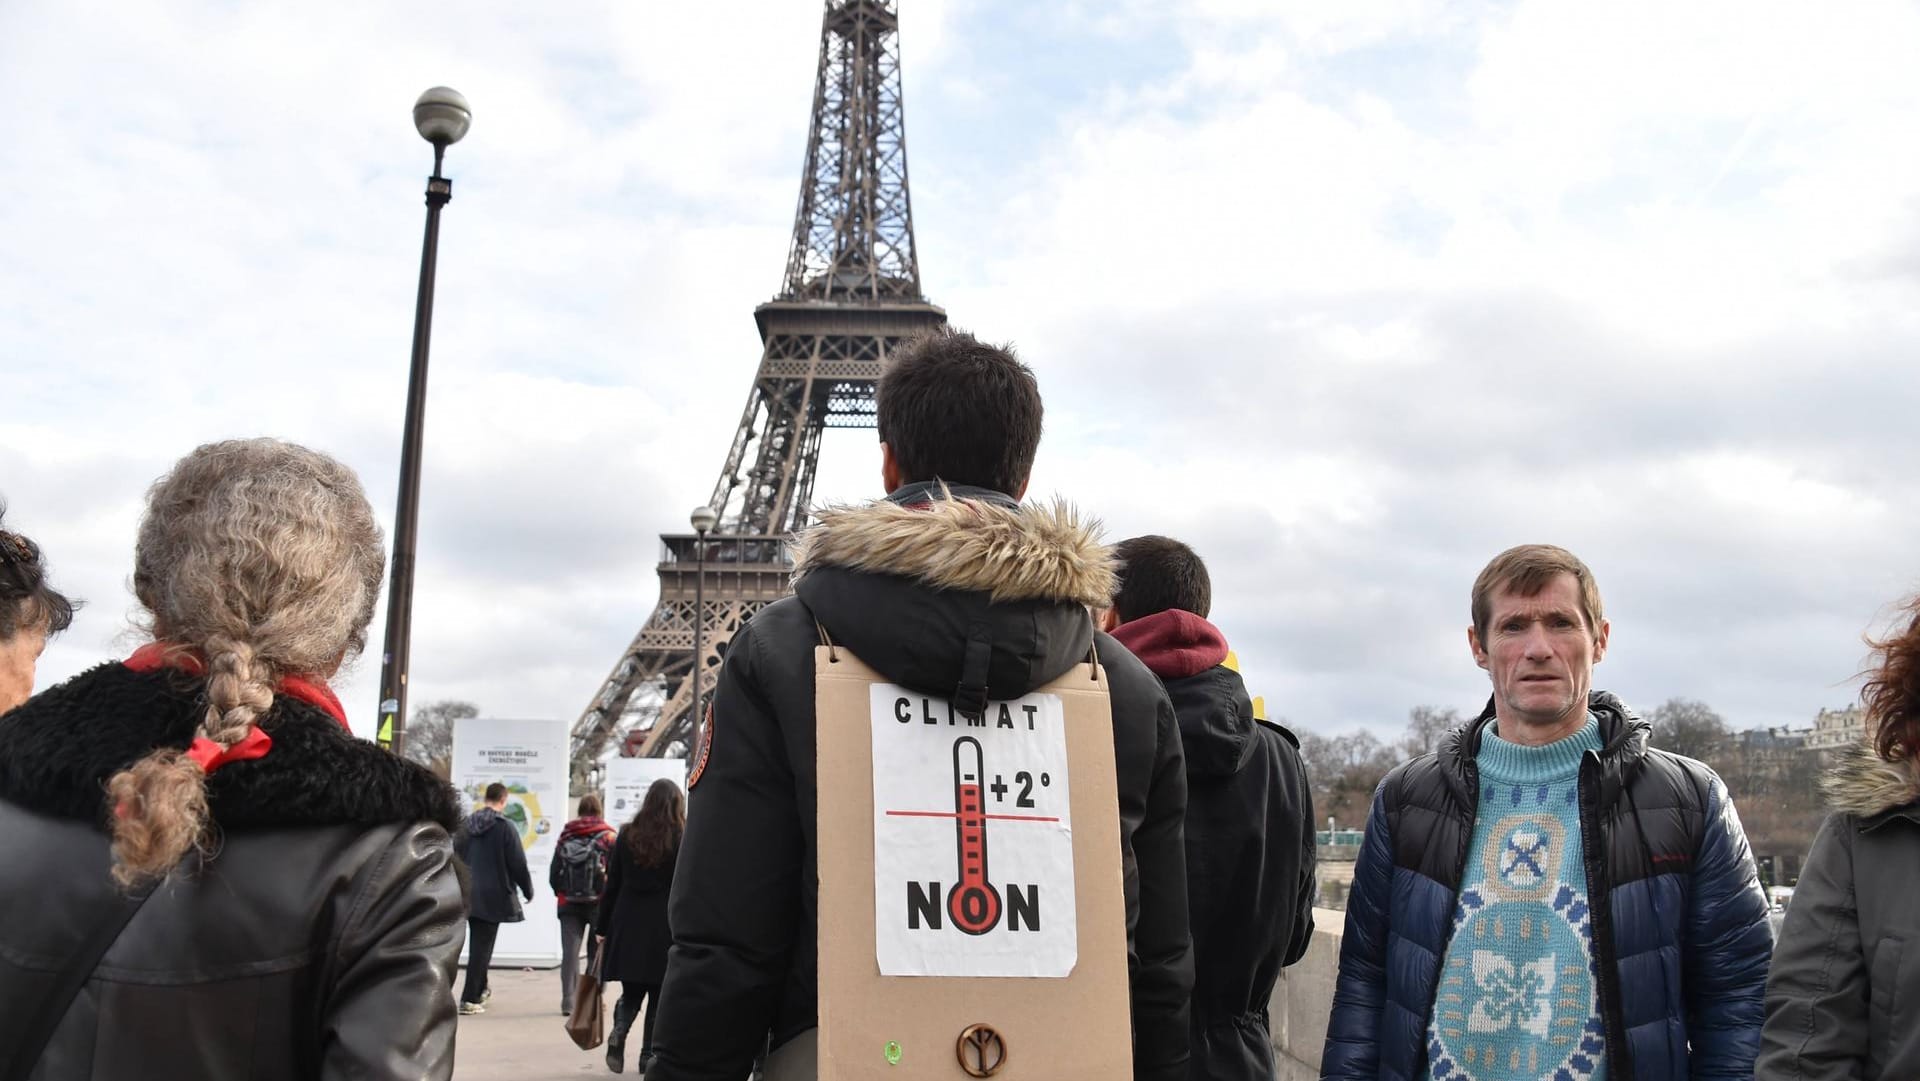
(531, 759)
(629, 778)
(972, 838)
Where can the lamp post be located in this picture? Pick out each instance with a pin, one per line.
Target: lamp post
(702, 518)
(442, 118)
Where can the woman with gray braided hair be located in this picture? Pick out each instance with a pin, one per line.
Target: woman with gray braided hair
(31, 611)
(225, 882)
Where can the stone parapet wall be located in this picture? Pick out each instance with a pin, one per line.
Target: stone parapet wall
(1297, 1013)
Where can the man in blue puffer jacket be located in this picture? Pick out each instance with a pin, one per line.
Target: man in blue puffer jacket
(1546, 896)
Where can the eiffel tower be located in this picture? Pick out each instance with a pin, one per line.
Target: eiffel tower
(850, 299)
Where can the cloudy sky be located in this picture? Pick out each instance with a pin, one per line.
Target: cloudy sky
(1350, 297)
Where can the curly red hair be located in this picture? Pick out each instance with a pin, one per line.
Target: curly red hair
(1892, 693)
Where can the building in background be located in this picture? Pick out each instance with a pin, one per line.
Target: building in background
(1836, 729)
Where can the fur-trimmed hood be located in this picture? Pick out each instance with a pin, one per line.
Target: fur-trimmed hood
(1863, 784)
(1042, 551)
(59, 749)
(957, 592)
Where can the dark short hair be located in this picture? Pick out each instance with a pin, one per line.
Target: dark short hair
(1527, 570)
(589, 806)
(953, 408)
(1157, 574)
(26, 599)
(495, 792)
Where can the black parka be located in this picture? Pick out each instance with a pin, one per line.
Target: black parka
(1250, 861)
(317, 941)
(906, 590)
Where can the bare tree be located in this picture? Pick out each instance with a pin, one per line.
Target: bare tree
(1690, 727)
(1425, 726)
(430, 734)
(1343, 771)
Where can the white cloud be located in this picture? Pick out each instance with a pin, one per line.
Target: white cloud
(1351, 296)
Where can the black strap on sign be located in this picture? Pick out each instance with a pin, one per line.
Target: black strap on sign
(80, 967)
(970, 697)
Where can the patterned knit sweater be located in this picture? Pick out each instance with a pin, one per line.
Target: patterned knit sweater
(1517, 989)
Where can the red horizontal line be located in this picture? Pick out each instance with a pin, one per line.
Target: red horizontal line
(996, 818)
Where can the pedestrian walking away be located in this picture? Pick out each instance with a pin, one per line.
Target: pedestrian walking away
(634, 917)
(577, 874)
(31, 611)
(948, 586)
(1843, 999)
(1250, 850)
(228, 884)
(497, 861)
(1547, 895)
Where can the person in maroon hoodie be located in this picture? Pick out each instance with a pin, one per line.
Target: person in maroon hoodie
(1250, 855)
(578, 877)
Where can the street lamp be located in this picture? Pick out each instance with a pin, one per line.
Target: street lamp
(702, 518)
(442, 118)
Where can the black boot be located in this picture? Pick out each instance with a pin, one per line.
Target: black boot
(616, 1055)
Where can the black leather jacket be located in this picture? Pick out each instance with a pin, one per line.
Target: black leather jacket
(318, 941)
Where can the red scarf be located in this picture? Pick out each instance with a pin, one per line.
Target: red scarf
(256, 743)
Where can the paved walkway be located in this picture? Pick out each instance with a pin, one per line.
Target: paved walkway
(520, 1037)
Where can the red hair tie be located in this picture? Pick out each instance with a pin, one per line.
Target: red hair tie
(157, 655)
(211, 756)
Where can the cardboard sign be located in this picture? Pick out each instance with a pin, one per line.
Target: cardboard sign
(973, 837)
(913, 986)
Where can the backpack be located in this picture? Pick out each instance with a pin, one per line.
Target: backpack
(583, 868)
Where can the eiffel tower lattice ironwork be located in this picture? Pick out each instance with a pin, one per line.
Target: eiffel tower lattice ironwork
(851, 297)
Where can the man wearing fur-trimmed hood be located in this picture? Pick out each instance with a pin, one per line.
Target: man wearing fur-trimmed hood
(951, 587)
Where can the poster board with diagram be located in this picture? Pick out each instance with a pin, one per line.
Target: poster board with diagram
(531, 759)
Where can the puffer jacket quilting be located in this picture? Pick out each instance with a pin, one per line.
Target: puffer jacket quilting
(1679, 921)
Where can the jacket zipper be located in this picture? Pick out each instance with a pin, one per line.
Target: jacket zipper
(1459, 874)
(1600, 903)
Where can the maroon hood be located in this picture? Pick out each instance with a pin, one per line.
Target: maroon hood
(1173, 644)
(588, 824)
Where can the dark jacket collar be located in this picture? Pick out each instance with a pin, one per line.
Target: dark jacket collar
(1209, 700)
(919, 493)
(1623, 747)
(59, 749)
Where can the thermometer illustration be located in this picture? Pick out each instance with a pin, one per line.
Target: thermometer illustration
(973, 902)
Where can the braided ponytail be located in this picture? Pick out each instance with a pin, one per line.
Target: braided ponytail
(263, 558)
(239, 689)
(161, 801)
